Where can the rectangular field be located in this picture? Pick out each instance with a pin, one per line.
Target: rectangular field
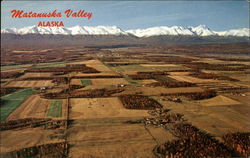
(179, 73)
(160, 65)
(75, 82)
(33, 107)
(10, 102)
(86, 108)
(109, 138)
(23, 138)
(163, 66)
(108, 81)
(147, 81)
(130, 68)
(159, 90)
(11, 67)
(55, 108)
(192, 79)
(54, 64)
(32, 83)
(96, 64)
(27, 75)
(219, 101)
(93, 75)
(85, 82)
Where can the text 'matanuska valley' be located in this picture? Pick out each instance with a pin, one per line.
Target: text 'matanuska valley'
(69, 13)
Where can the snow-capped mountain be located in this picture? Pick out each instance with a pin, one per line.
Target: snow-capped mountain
(200, 30)
(236, 32)
(10, 30)
(162, 30)
(43, 30)
(98, 30)
(76, 30)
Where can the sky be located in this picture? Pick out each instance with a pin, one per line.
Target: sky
(217, 15)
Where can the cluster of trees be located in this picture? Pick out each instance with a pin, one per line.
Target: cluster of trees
(218, 67)
(8, 90)
(193, 143)
(93, 93)
(11, 74)
(20, 123)
(203, 75)
(64, 80)
(169, 59)
(239, 141)
(141, 76)
(202, 95)
(206, 94)
(46, 150)
(152, 73)
(67, 69)
(38, 78)
(233, 59)
(34, 57)
(98, 76)
(172, 84)
(139, 102)
(63, 94)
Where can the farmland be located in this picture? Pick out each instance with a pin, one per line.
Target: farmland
(34, 106)
(55, 109)
(144, 101)
(86, 82)
(41, 83)
(10, 102)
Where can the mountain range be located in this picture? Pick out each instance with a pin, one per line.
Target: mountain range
(200, 30)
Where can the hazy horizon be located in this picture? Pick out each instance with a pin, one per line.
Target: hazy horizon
(216, 15)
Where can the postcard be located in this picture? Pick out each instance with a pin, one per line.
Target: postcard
(125, 79)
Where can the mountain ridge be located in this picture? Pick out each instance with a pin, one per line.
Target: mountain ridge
(200, 30)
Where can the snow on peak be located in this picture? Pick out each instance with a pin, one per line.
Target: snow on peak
(200, 30)
(76, 30)
(236, 32)
(162, 30)
(43, 30)
(10, 30)
(98, 30)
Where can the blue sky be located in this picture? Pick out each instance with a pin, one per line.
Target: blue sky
(217, 15)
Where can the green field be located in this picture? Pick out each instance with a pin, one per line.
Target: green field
(177, 67)
(55, 109)
(15, 66)
(49, 65)
(9, 67)
(10, 102)
(130, 68)
(131, 81)
(86, 82)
